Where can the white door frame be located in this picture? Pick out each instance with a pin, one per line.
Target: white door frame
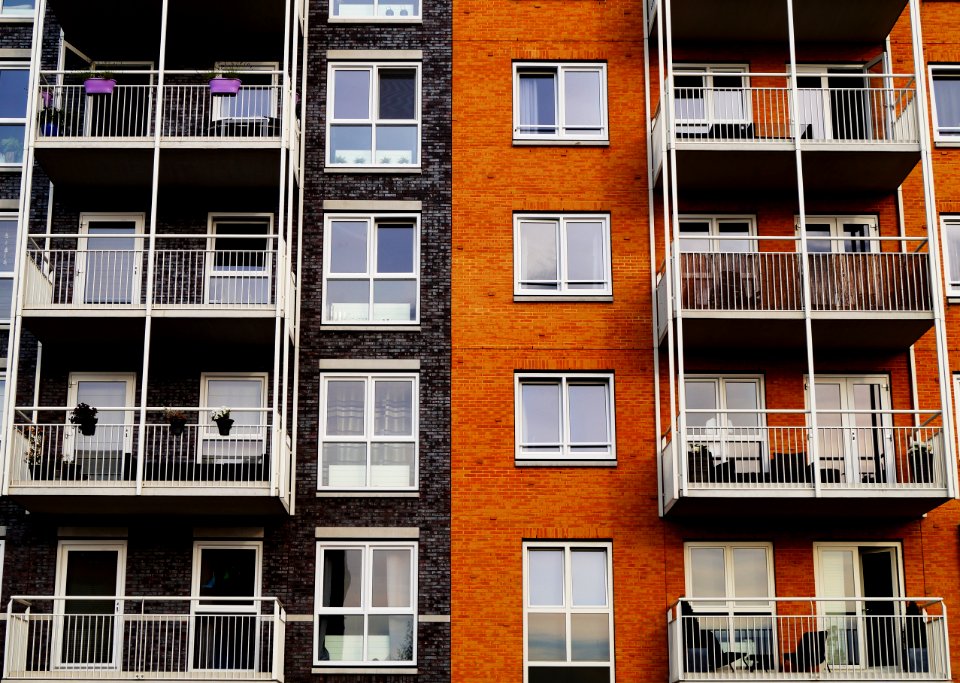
(823, 71)
(83, 244)
(210, 271)
(73, 380)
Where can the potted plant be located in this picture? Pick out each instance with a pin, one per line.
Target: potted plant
(50, 119)
(224, 423)
(224, 82)
(99, 83)
(177, 419)
(921, 463)
(86, 417)
(33, 450)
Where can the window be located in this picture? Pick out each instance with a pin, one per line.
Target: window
(14, 81)
(560, 102)
(244, 439)
(17, 8)
(565, 417)
(718, 424)
(366, 601)
(258, 97)
(562, 255)
(707, 97)
(240, 267)
(837, 103)
(568, 612)
(371, 269)
(951, 253)
(375, 10)
(373, 115)
(946, 102)
(841, 234)
(368, 431)
(8, 251)
(717, 234)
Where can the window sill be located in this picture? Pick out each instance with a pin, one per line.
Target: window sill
(368, 494)
(947, 143)
(369, 328)
(16, 20)
(11, 169)
(382, 170)
(555, 142)
(364, 670)
(374, 20)
(565, 463)
(953, 298)
(563, 298)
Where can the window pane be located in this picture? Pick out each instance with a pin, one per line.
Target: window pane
(353, 8)
(13, 92)
(391, 638)
(585, 254)
(8, 243)
(397, 145)
(348, 300)
(953, 252)
(398, 94)
(342, 577)
(538, 254)
(546, 638)
(341, 637)
(18, 6)
(236, 394)
(351, 94)
(228, 572)
(590, 637)
(545, 582)
(541, 413)
(392, 465)
(391, 578)
(706, 573)
(393, 408)
(399, 9)
(344, 465)
(750, 573)
(395, 300)
(589, 569)
(729, 229)
(395, 248)
(538, 103)
(742, 396)
(946, 90)
(6, 298)
(690, 236)
(350, 144)
(689, 100)
(822, 246)
(589, 418)
(11, 144)
(582, 99)
(345, 408)
(348, 247)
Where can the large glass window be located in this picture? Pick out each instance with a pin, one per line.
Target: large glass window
(366, 603)
(568, 613)
(14, 81)
(560, 102)
(368, 428)
(244, 440)
(373, 115)
(8, 251)
(725, 428)
(565, 417)
(951, 253)
(562, 255)
(375, 10)
(371, 269)
(17, 8)
(946, 101)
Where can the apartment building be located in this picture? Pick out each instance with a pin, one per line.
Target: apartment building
(710, 435)
(226, 448)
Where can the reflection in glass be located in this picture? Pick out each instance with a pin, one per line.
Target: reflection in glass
(546, 638)
(590, 637)
(541, 414)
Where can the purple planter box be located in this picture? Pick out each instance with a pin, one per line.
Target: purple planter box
(224, 86)
(99, 86)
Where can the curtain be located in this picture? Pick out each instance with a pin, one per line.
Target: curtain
(345, 408)
(393, 408)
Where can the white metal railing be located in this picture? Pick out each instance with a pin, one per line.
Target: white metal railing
(138, 638)
(189, 452)
(65, 111)
(80, 277)
(772, 449)
(225, 278)
(867, 279)
(830, 638)
(875, 108)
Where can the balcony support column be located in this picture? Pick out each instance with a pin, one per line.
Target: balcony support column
(805, 261)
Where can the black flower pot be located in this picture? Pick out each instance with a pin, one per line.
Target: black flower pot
(178, 425)
(224, 425)
(88, 426)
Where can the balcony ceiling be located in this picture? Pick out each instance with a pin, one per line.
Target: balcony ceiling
(793, 504)
(766, 20)
(111, 29)
(170, 500)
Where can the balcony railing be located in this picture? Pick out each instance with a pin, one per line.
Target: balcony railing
(130, 113)
(772, 451)
(135, 638)
(874, 109)
(200, 277)
(841, 638)
(190, 454)
(768, 281)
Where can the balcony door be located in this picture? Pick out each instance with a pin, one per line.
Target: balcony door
(709, 99)
(108, 263)
(718, 261)
(834, 103)
(724, 417)
(128, 112)
(863, 629)
(842, 234)
(87, 622)
(103, 455)
(239, 260)
(853, 430)
(246, 443)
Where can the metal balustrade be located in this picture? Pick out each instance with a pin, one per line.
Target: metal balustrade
(190, 452)
(139, 638)
(772, 450)
(225, 278)
(831, 638)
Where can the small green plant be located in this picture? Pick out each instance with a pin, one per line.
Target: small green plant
(221, 413)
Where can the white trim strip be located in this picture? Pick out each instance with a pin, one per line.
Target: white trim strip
(371, 205)
(369, 364)
(378, 532)
(374, 54)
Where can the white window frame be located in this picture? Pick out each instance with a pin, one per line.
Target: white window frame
(18, 14)
(568, 609)
(950, 224)
(365, 610)
(564, 380)
(368, 438)
(708, 71)
(719, 439)
(953, 71)
(563, 289)
(218, 103)
(87, 244)
(714, 235)
(72, 432)
(729, 596)
(16, 121)
(562, 134)
(396, 6)
(373, 121)
(836, 223)
(211, 271)
(12, 273)
(371, 275)
(207, 429)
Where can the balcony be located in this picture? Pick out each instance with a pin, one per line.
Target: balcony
(893, 463)
(128, 465)
(108, 139)
(863, 137)
(135, 638)
(866, 298)
(847, 21)
(802, 639)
